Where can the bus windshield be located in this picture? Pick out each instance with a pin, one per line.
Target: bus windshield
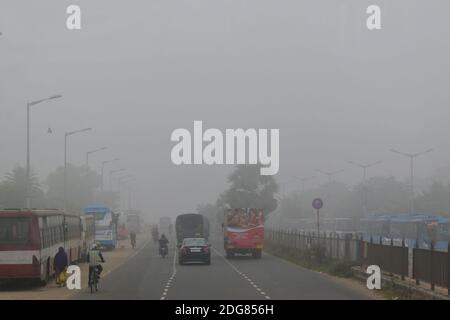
(14, 230)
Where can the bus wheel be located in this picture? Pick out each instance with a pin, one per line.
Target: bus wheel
(46, 278)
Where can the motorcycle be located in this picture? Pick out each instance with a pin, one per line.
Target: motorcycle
(163, 251)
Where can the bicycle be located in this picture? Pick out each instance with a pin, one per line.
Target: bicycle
(93, 281)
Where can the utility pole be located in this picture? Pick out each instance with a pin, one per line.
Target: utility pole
(28, 168)
(411, 157)
(66, 135)
(363, 184)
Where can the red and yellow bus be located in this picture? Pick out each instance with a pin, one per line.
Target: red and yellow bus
(29, 240)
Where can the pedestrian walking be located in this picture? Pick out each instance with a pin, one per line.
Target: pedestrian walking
(60, 264)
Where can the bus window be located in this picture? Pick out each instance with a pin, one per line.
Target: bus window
(14, 230)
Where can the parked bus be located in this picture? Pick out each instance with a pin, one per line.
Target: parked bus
(87, 234)
(105, 226)
(29, 241)
(415, 229)
(191, 225)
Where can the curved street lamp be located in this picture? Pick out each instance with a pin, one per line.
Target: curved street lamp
(29, 105)
(66, 135)
(411, 157)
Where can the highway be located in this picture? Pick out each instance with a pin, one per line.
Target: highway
(147, 276)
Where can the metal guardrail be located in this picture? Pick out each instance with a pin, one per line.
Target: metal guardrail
(428, 265)
(432, 266)
(389, 258)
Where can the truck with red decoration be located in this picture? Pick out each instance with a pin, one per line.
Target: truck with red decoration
(244, 232)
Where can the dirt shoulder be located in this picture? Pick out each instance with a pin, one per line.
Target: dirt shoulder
(51, 291)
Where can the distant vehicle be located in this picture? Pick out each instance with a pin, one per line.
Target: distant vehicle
(133, 221)
(155, 233)
(191, 225)
(164, 226)
(122, 232)
(415, 229)
(244, 232)
(29, 240)
(194, 249)
(105, 226)
(87, 234)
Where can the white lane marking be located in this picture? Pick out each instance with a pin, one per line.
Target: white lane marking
(139, 249)
(242, 274)
(169, 281)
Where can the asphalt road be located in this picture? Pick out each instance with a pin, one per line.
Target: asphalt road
(147, 276)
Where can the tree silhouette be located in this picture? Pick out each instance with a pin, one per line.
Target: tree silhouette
(13, 190)
(250, 189)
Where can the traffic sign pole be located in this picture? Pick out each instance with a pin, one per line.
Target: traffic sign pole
(318, 222)
(317, 204)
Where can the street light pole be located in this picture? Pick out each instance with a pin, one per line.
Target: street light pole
(103, 168)
(110, 178)
(66, 135)
(304, 180)
(91, 152)
(121, 180)
(363, 185)
(330, 175)
(28, 168)
(125, 178)
(411, 157)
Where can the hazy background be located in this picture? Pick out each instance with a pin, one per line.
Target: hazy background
(140, 69)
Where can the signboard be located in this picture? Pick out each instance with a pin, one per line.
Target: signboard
(317, 203)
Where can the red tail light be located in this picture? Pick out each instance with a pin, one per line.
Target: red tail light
(184, 250)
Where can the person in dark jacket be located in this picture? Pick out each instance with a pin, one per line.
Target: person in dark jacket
(163, 244)
(60, 264)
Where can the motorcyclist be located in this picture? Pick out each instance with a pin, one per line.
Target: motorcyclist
(94, 258)
(163, 244)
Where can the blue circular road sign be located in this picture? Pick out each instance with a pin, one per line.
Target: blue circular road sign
(317, 203)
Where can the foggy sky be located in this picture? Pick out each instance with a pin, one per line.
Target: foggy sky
(140, 69)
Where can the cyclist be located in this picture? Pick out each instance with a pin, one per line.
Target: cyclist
(94, 258)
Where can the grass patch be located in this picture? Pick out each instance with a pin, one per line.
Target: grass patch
(392, 292)
(313, 259)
